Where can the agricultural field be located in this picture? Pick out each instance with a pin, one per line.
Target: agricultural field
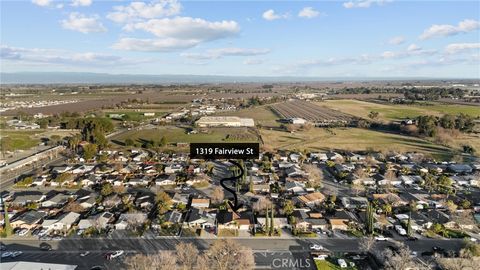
(180, 135)
(392, 112)
(262, 115)
(309, 111)
(26, 139)
(136, 115)
(352, 139)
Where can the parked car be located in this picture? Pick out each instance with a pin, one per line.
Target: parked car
(23, 232)
(316, 247)
(83, 254)
(16, 254)
(381, 238)
(6, 254)
(45, 246)
(342, 263)
(113, 255)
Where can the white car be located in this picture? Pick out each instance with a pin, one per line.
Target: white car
(23, 232)
(16, 254)
(116, 254)
(316, 247)
(83, 254)
(381, 238)
(320, 257)
(6, 254)
(342, 263)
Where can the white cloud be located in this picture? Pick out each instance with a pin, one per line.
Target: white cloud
(308, 12)
(442, 30)
(62, 57)
(270, 15)
(142, 10)
(42, 3)
(176, 33)
(363, 3)
(221, 52)
(81, 3)
(396, 40)
(461, 47)
(413, 48)
(82, 23)
(253, 61)
(154, 45)
(187, 28)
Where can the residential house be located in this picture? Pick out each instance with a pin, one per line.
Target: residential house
(310, 199)
(28, 220)
(127, 220)
(200, 218)
(200, 203)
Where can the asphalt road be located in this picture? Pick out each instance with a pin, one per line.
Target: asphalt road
(268, 253)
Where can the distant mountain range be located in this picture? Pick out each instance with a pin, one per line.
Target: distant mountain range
(105, 78)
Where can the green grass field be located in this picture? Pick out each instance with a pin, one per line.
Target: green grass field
(352, 139)
(133, 115)
(179, 135)
(397, 112)
(22, 140)
(261, 114)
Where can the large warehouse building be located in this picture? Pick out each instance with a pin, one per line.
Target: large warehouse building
(225, 121)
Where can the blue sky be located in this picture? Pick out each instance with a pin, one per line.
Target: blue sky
(358, 38)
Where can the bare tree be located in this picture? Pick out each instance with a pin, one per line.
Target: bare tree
(187, 255)
(367, 244)
(315, 175)
(390, 175)
(358, 188)
(217, 195)
(260, 205)
(399, 260)
(165, 259)
(227, 254)
(360, 172)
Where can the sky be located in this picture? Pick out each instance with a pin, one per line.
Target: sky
(357, 38)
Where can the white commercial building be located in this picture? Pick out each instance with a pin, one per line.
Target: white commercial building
(225, 121)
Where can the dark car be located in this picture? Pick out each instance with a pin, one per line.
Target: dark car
(96, 267)
(412, 238)
(45, 246)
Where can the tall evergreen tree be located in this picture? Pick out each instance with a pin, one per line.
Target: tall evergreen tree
(409, 225)
(7, 228)
(266, 221)
(271, 222)
(370, 219)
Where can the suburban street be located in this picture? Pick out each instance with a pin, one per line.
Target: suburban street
(68, 250)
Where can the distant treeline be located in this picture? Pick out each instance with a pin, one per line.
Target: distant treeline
(411, 93)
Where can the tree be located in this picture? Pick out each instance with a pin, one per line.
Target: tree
(7, 228)
(399, 260)
(165, 259)
(262, 204)
(288, 207)
(373, 115)
(367, 244)
(387, 208)
(451, 206)
(89, 151)
(164, 202)
(409, 225)
(272, 223)
(187, 255)
(6, 144)
(227, 254)
(55, 139)
(74, 207)
(129, 142)
(107, 189)
(217, 195)
(163, 141)
(370, 219)
(427, 125)
(315, 175)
